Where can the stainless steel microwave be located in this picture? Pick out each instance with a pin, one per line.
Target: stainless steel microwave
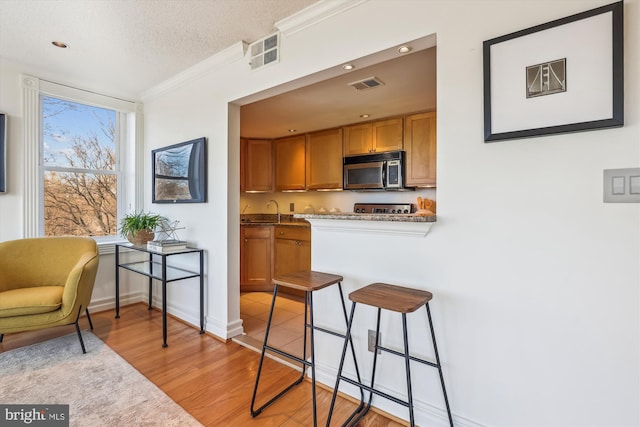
(381, 171)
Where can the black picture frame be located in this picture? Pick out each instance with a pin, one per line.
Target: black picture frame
(592, 43)
(180, 172)
(3, 153)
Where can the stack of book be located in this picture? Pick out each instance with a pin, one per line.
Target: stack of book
(166, 245)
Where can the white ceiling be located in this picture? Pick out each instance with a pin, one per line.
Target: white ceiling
(126, 47)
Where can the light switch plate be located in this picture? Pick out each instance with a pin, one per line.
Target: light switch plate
(621, 185)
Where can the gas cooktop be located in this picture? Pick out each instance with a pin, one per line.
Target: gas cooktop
(383, 208)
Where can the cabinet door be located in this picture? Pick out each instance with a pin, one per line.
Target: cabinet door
(324, 160)
(292, 252)
(258, 165)
(243, 168)
(256, 258)
(420, 147)
(358, 139)
(290, 163)
(387, 135)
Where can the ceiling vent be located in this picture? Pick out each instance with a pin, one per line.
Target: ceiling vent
(368, 83)
(265, 51)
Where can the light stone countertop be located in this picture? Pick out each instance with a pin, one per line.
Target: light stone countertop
(368, 217)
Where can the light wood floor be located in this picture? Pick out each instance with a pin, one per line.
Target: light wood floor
(211, 380)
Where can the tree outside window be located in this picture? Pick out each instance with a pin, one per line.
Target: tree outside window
(80, 168)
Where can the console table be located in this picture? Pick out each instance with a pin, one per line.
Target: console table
(156, 268)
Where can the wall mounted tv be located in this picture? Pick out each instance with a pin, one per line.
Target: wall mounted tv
(180, 172)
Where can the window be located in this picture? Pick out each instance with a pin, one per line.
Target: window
(80, 170)
(82, 164)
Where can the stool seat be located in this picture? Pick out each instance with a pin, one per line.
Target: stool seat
(391, 297)
(306, 280)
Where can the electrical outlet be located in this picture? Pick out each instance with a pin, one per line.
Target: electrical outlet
(371, 341)
(291, 207)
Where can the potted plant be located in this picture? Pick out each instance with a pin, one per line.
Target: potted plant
(138, 227)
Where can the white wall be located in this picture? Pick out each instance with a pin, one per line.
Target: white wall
(536, 280)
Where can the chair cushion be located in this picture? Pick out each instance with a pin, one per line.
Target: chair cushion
(25, 301)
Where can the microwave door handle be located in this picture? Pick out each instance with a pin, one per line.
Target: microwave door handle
(384, 174)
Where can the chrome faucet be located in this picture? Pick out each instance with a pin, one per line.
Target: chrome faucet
(277, 208)
(247, 206)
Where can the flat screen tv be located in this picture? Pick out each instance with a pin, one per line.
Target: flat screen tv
(180, 172)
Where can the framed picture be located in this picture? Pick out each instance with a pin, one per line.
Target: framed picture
(180, 173)
(3, 153)
(563, 76)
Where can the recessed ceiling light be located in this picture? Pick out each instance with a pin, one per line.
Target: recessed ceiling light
(364, 116)
(348, 67)
(60, 44)
(404, 49)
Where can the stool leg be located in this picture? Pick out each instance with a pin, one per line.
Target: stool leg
(407, 368)
(340, 366)
(363, 412)
(313, 358)
(256, 412)
(435, 350)
(353, 350)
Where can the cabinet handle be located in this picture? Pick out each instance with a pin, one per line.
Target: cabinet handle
(246, 240)
(282, 233)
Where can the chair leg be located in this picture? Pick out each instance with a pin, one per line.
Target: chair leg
(1, 337)
(89, 317)
(84, 351)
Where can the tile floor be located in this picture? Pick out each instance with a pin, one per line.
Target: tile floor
(287, 325)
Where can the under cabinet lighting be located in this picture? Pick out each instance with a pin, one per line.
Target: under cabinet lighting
(348, 67)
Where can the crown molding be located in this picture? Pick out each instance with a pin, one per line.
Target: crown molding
(230, 54)
(314, 14)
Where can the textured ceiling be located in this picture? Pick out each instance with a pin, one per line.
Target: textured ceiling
(125, 47)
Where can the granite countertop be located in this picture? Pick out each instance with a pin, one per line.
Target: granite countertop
(272, 219)
(369, 217)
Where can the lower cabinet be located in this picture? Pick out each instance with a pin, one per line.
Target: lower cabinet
(292, 252)
(256, 258)
(266, 251)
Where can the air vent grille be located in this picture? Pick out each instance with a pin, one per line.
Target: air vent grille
(368, 83)
(265, 51)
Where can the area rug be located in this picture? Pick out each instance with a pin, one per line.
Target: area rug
(100, 387)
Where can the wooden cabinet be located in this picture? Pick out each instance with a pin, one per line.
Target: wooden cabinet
(258, 165)
(324, 160)
(420, 148)
(290, 163)
(292, 252)
(256, 258)
(243, 168)
(374, 137)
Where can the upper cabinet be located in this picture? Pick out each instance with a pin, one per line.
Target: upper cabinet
(420, 148)
(258, 165)
(290, 163)
(324, 160)
(373, 137)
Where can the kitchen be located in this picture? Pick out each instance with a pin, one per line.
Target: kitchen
(284, 173)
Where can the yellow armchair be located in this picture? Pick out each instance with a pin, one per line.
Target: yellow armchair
(46, 282)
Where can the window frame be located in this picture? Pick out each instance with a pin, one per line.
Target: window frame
(128, 152)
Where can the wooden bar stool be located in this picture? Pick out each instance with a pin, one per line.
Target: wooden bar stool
(309, 282)
(401, 300)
